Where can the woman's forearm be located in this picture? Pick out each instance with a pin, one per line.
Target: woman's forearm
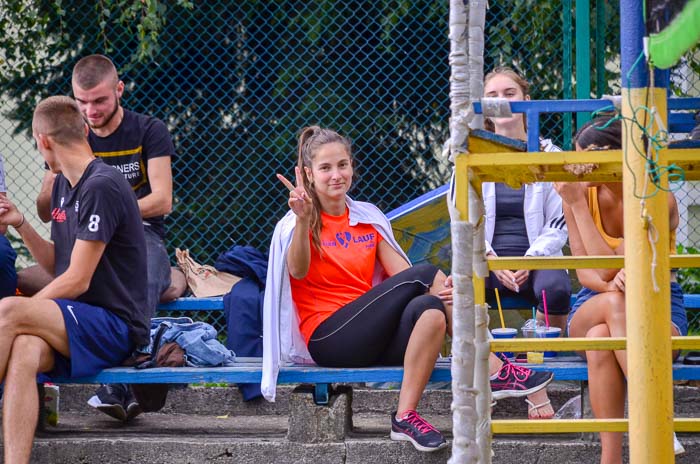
(590, 278)
(299, 254)
(591, 238)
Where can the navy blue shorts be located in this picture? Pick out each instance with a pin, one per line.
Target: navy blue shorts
(8, 275)
(679, 318)
(98, 339)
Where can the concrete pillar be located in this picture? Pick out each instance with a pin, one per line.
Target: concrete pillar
(311, 423)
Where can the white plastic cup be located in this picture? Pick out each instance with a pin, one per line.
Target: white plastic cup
(505, 332)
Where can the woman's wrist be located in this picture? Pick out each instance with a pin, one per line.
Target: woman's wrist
(21, 223)
(304, 222)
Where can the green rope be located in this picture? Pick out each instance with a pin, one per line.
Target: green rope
(643, 119)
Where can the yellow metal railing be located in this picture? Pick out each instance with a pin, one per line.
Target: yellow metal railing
(517, 168)
(580, 344)
(525, 426)
(579, 262)
(650, 392)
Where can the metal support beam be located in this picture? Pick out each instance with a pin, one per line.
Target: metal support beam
(583, 55)
(567, 52)
(646, 262)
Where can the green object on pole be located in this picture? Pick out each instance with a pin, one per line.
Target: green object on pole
(666, 47)
(567, 70)
(583, 56)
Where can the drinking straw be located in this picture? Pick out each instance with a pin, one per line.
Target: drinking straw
(534, 315)
(500, 310)
(546, 313)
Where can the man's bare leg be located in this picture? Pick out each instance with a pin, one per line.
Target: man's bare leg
(29, 316)
(30, 355)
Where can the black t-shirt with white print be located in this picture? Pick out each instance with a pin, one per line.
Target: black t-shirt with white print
(137, 139)
(102, 207)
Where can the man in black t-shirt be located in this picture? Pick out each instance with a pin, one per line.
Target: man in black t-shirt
(92, 315)
(140, 148)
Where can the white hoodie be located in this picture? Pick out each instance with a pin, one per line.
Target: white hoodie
(282, 340)
(544, 216)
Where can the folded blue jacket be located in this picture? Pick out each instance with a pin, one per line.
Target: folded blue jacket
(197, 339)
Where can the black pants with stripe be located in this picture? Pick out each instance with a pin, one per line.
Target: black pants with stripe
(555, 282)
(375, 328)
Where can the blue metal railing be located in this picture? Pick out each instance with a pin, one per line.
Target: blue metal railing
(678, 122)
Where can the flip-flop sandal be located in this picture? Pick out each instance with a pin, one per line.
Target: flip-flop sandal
(677, 446)
(535, 407)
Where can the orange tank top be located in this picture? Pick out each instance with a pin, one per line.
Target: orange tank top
(594, 207)
(613, 242)
(342, 274)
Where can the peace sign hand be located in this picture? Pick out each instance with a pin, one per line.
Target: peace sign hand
(299, 201)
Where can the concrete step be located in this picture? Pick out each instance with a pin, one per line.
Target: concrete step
(228, 400)
(176, 438)
(214, 425)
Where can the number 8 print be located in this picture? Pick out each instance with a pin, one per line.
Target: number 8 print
(94, 223)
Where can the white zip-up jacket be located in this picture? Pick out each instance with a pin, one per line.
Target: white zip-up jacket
(282, 340)
(544, 216)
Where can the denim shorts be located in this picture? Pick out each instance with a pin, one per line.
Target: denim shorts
(679, 319)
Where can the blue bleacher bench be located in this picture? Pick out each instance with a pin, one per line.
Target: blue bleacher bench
(249, 370)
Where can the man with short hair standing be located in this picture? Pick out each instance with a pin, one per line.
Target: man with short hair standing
(92, 315)
(140, 147)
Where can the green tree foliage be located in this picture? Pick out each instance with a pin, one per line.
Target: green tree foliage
(39, 40)
(528, 35)
(236, 81)
(688, 278)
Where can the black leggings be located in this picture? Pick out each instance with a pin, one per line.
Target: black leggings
(555, 281)
(375, 328)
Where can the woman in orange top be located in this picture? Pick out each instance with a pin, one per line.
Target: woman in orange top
(594, 218)
(338, 256)
(337, 248)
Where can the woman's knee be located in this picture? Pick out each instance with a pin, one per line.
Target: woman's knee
(598, 331)
(436, 318)
(427, 305)
(614, 303)
(422, 303)
(599, 357)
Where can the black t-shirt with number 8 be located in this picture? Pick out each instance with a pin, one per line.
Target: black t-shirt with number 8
(102, 206)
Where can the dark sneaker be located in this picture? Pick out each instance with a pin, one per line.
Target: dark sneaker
(133, 408)
(515, 381)
(412, 427)
(110, 400)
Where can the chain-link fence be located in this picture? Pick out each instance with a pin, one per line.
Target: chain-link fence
(236, 81)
